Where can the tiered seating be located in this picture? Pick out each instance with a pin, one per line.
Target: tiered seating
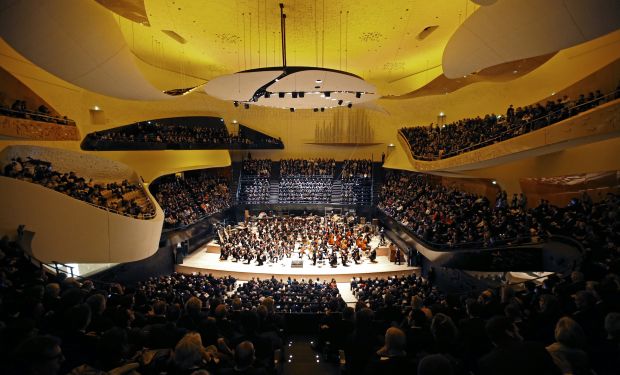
(191, 198)
(117, 196)
(306, 180)
(357, 181)
(434, 142)
(184, 133)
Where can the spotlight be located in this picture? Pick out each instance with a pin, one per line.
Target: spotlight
(292, 109)
(350, 105)
(267, 95)
(281, 94)
(315, 109)
(358, 95)
(236, 103)
(340, 102)
(328, 94)
(294, 95)
(494, 182)
(246, 106)
(301, 94)
(322, 109)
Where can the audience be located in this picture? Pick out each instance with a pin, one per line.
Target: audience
(19, 109)
(435, 142)
(307, 167)
(357, 181)
(256, 168)
(188, 199)
(305, 190)
(153, 134)
(255, 191)
(447, 217)
(118, 196)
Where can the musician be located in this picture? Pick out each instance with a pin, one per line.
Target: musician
(343, 257)
(333, 260)
(398, 257)
(373, 255)
(314, 251)
(356, 255)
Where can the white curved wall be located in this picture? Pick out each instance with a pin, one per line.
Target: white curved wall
(70, 230)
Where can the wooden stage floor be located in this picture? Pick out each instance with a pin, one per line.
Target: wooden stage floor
(209, 262)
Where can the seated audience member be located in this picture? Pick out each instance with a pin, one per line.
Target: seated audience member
(39, 355)
(511, 354)
(567, 351)
(244, 361)
(435, 364)
(392, 357)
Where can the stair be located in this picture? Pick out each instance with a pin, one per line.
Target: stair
(274, 187)
(336, 196)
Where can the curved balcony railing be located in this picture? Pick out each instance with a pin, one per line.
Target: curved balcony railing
(521, 127)
(36, 116)
(143, 216)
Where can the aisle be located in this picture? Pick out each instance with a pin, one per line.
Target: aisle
(346, 294)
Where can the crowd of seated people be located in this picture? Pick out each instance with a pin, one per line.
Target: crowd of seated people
(255, 191)
(257, 167)
(435, 142)
(20, 109)
(453, 218)
(153, 132)
(173, 136)
(305, 190)
(356, 168)
(188, 199)
(178, 324)
(357, 181)
(307, 167)
(291, 296)
(273, 238)
(564, 326)
(118, 196)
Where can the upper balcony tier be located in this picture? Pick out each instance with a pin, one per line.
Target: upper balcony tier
(179, 133)
(527, 139)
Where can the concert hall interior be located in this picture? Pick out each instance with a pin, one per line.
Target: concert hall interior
(309, 187)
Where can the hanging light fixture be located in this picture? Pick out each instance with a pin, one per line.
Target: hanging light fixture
(259, 86)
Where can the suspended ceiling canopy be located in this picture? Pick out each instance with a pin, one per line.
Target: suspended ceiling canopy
(398, 46)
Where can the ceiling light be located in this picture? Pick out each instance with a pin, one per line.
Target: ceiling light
(292, 109)
(350, 105)
(441, 114)
(494, 182)
(253, 85)
(234, 121)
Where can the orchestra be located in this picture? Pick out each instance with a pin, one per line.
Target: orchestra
(317, 238)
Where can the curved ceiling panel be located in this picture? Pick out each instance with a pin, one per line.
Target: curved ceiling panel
(78, 41)
(517, 29)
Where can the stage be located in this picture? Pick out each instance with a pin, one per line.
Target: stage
(208, 261)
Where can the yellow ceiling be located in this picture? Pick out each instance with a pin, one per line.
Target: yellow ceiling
(378, 41)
